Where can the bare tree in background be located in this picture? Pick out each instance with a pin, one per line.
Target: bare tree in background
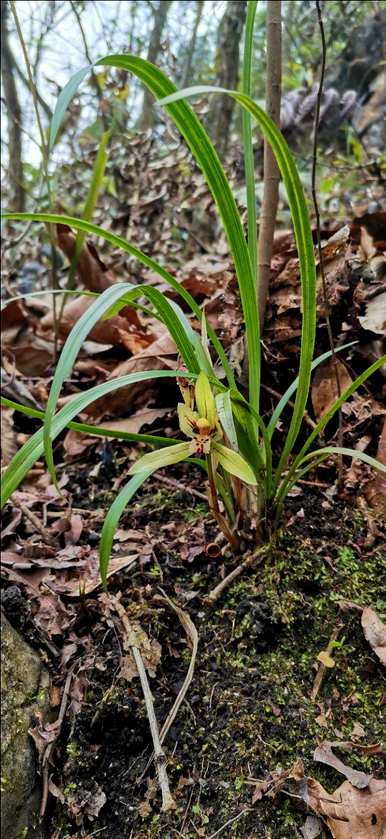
(227, 64)
(160, 15)
(271, 170)
(192, 45)
(14, 116)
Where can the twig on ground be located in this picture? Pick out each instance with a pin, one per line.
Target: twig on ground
(181, 487)
(322, 668)
(291, 404)
(256, 557)
(130, 643)
(230, 821)
(318, 236)
(34, 520)
(50, 746)
(192, 634)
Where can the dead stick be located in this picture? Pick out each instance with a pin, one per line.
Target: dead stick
(50, 746)
(169, 482)
(256, 557)
(34, 520)
(168, 802)
(192, 633)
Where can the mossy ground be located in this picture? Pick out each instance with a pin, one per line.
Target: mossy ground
(249, 708)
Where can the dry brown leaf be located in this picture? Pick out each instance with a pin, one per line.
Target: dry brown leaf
(324, 754)
(375, 491)
(350, 813)
(89, 579)
(93, 273)
(324, 386)
(374, 320)
(128, 397)
(375, 632)
(13, 319)
(150, 651)
(9, 445)
(133, 424)
(123, 330)
(75, 443)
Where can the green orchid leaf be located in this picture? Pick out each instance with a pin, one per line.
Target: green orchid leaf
(112, 519)
(233, 463)
(164, 457)
(225, 415)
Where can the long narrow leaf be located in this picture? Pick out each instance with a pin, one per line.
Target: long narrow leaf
(249, 163)
(201, 147)
(119, 242)
(281, 485)
(303, 237)
(93, 430)
(292, 388)
(92, 198)
(25, 458)
(112, 518)
(82, 328)
(66, 96)
(354, 453)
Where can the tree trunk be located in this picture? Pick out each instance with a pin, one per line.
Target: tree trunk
(271, 170)
(14, 117)
(227, 61)
(186, 80)
(160, 15)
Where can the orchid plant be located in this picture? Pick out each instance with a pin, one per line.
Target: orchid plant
(248, 475)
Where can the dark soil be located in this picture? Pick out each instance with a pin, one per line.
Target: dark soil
(248, 710)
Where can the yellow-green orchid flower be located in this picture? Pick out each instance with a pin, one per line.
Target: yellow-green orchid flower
(203, 427)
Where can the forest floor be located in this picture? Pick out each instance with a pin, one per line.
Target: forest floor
(286, 680)
(249, 710)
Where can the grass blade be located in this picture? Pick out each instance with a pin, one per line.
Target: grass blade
(304, 244)
(281, 485)
(112, 519)
(119, 242)
(93, 430)
(249, 164)
(33, 449)
(202, 148)
(66, 96)
(92, 198)
(291, 390)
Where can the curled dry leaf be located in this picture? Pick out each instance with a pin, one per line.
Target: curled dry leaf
(312, 828)
(324, 754)
(375, 318)
(351, 813)
(150, 651)
(375, 632)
